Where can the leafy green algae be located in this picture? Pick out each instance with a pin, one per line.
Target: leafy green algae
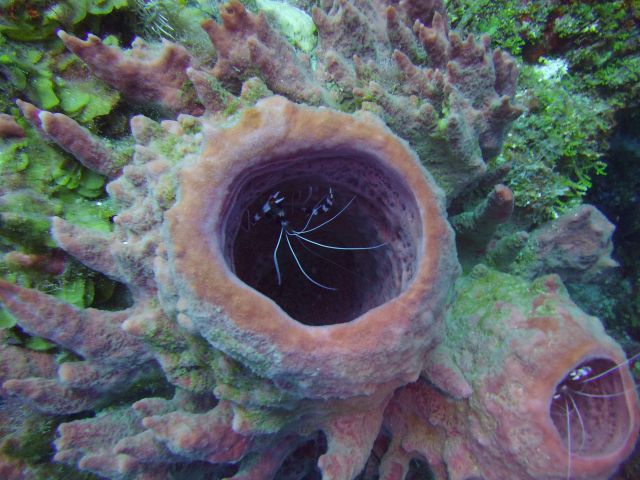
(49, 76)
(38, 179)
(598, 39)
(557, 146)
(39, 19)
(40, 182)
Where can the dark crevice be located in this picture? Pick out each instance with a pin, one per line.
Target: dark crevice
(358, 202)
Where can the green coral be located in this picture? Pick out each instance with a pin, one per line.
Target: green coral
(6, 320)
(27, 73)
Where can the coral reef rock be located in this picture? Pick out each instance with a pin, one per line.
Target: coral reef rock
(293, 277)
(577, 246)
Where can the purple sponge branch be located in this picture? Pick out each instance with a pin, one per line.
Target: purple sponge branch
(112, 358)
(90, 150)
(146, 76)
(400, 358)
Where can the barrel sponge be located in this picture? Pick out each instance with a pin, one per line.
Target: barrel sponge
(293, 293)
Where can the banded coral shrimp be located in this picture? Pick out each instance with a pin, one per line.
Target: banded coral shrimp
(385, 210)
(276, 207)
(308, 239)
(589, 408)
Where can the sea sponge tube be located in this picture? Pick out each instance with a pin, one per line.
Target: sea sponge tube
(319, 322)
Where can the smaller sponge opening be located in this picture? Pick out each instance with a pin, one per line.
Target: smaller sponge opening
(589, 408)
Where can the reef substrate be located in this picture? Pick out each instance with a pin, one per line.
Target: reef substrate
(295, 281)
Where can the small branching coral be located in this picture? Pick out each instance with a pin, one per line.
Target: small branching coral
(253, 361)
